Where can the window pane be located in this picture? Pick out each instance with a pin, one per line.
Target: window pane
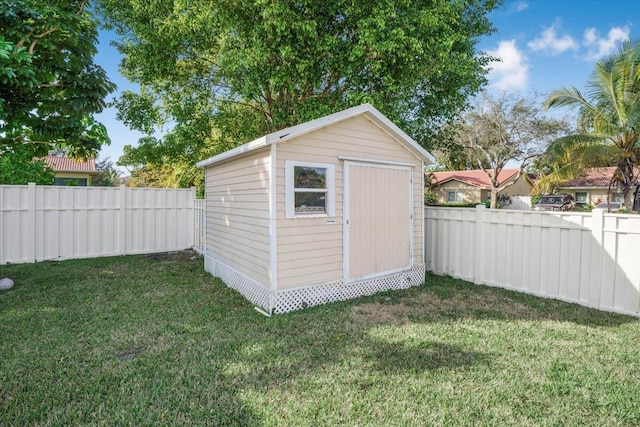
(310, 202)
(306, 177)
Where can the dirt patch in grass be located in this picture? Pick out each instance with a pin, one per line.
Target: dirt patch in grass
(185, 255)
(430, 305)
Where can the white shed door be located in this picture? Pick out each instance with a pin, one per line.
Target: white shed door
(378, 223)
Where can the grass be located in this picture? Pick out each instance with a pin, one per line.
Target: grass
(156, 341)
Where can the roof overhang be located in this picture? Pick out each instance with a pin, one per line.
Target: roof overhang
(462, 181)
(295, 131)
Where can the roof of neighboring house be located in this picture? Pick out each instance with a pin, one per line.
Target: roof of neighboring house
(476, 178)
(66, 164)
(292, 132)
(591, 178)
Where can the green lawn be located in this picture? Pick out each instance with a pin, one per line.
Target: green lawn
(142, 341)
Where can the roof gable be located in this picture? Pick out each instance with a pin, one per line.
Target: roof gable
(476, 178)
(367, 110)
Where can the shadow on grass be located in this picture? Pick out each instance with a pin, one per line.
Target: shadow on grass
(204, 356)
(453, 298)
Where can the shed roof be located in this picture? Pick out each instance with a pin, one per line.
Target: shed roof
(476, 177)
(66, 164)
(294, 131)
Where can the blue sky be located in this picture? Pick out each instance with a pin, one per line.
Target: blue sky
(543, 44)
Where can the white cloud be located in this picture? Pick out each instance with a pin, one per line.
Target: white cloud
(549, 41)
(512, 73)
(601, 47)
(517, 7)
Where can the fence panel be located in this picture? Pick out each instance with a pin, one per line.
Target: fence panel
(586, 258)
(200, 221)
(52, 222)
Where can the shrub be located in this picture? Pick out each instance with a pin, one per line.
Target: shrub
(430, 198)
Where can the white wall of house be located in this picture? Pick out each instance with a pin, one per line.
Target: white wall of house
(593, 195)
(586, 258)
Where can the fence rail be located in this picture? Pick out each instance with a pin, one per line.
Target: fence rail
(51, 222)
(587, 258)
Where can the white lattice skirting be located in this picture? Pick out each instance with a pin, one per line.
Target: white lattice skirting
(295, 299)
(252, 290)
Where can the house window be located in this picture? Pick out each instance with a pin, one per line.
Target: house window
(582, 197)
(617, 197)
(70, 182)
(454, 196)
(310, 189)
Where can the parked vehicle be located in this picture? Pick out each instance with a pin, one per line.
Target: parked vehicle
(613, 206)
(555, 202)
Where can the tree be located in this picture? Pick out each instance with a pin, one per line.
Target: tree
(107, 176)
(225, 72)
(505, 128)
(18, 167)
(609, 118)
(50, 87)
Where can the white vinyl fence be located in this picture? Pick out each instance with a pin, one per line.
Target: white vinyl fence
(52, 222)
(200, 223)
(592, 259)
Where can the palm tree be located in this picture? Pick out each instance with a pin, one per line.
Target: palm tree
(609, 120)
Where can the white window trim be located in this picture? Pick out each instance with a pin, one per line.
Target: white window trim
(587, 196)
(458, 197)
(290, 189)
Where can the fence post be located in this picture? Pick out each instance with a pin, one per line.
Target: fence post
(479, 247)
(123, 220)
(194, 217)
(597, 234)
(31, 220)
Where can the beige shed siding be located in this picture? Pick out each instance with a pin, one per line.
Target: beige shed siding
(237, 194)
(309, 249)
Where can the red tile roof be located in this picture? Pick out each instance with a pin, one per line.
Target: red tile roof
(65, 164)
(477, 178)
(591, 178)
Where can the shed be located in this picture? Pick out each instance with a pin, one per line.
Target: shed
(323, 211)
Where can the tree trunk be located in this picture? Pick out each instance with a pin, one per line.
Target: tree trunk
(628, 197)
(494, 198)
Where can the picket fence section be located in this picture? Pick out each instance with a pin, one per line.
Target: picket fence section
(52, 222)
(586, 258)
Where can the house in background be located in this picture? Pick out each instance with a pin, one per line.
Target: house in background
(473, 186)
(71, 172)
(591, 188)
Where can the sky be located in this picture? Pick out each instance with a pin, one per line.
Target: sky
(543, 45)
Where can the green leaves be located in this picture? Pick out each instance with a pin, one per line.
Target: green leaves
(609, 117)
(225, 72)
(17, 167)
(49, 86)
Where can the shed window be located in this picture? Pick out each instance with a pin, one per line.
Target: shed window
(310, 189)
